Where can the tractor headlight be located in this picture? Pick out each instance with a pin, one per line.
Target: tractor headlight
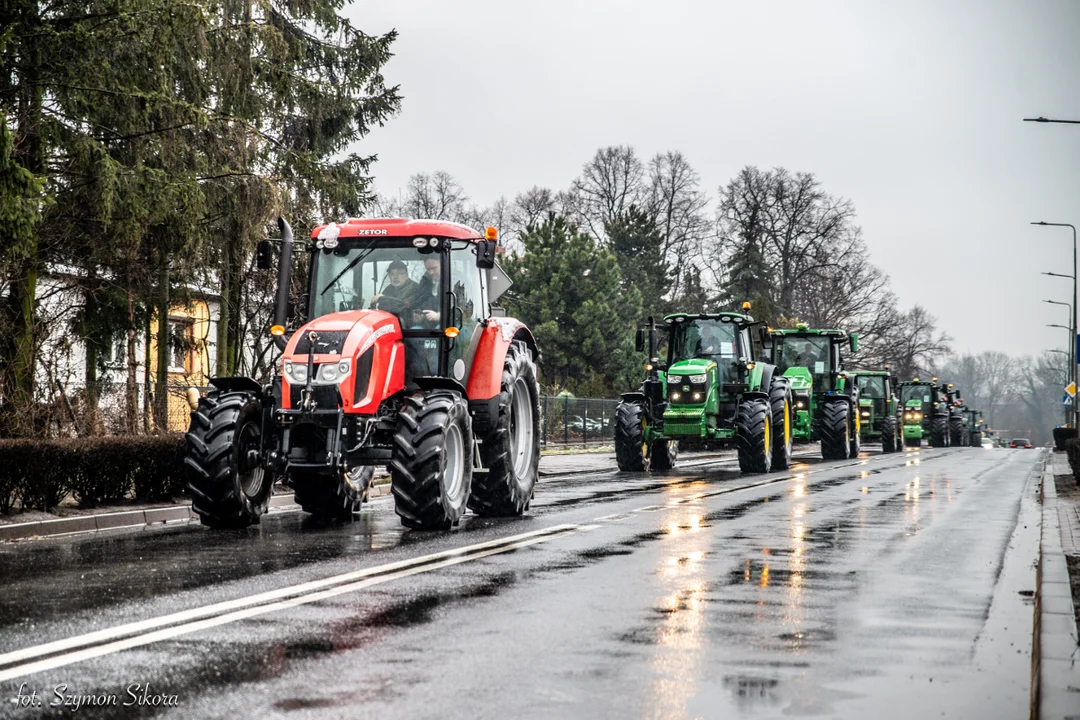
(800, 405)
(674, 396)
(332, 373)
(296, 373)
(674, 379)
(866, 413)
(918, 416)
(699, 379)
(697, 397)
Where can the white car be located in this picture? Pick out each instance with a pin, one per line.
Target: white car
(988, 443)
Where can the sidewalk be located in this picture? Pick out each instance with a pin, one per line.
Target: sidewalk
(1056, 651)
(80, 520)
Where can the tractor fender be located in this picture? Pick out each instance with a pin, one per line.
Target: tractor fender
(755, 395)
(637, 395)
(237, 384)
(767, 373)
(486, 367)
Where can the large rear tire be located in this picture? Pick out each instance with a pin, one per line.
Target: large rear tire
(888, 435)
(783, 419)
(835, 430)
(753, 435)
(939, 431)
(332, 498)
(630, 450)
(976, 439)
(855, 443)
(431, 462)
(511, 449)
(229, 486)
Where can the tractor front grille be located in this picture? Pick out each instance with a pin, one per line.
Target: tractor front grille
(329, 342)
(671, 428)
(326, 397)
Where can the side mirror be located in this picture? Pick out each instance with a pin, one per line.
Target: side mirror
(263, 259)
(639, 340)
(853, 340)
(485, 254)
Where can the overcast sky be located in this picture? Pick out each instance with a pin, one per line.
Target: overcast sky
(913, 110)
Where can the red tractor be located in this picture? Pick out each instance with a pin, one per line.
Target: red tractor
(404, 361)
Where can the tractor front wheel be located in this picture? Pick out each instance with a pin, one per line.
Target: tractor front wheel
(432, 460)
(835, 431)
(753, 435)
(956, 432)
(630, 450)
(939, 432)
(662, 454)
(229, 486)
(332, 498)
(888, 435)
(976, 439)
(783, 420)
(855, 444)
(511, 449)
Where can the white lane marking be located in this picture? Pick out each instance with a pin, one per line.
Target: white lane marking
(141, 626)
(187, 628)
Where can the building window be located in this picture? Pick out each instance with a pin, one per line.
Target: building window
(180, 344)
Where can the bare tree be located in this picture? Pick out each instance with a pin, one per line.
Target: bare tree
(612, 181)
(676, 200)
(914, 344)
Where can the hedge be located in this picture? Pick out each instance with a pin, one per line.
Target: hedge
(1072, 449)
(39, 474)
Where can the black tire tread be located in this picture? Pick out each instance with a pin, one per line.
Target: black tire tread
(750, 420)
(779, 393)
(629, 437)
(834, 428)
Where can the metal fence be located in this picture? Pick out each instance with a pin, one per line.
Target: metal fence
(577, 421)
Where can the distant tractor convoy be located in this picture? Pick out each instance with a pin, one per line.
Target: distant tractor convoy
(402, 359)
(723, 379)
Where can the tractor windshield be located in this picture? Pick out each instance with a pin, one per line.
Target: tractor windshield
(701, 338)
(922, 393)
(397, 279)
(809, 351)
(872, 387)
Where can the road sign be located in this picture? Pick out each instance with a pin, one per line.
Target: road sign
(1070, 389)
(1066, 400)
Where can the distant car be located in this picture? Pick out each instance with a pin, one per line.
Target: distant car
(988, 443)
(1020, 443)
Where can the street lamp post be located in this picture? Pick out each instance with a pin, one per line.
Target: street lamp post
(1072, 338)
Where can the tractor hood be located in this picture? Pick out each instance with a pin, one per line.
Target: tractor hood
(693, 366)
(801, 379)
(357, 362)
(914, 405)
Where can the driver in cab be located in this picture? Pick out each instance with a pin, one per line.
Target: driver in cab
(397, 296)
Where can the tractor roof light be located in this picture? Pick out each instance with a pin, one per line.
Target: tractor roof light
(277, 330)
(933, 379)
(746, 307)
(451, 332)
(490, 233)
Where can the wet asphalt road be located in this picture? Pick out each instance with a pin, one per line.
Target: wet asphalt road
(888, 586)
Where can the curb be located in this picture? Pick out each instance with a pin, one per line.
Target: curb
(1055, 653)
(135, 518)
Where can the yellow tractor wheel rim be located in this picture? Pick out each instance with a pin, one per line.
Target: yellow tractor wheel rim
(768, 439)
(787, 422)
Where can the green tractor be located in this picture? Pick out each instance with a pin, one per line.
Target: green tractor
(708, 387)
(826, 400)
(925, 412)
(976, 426)
(879, 407)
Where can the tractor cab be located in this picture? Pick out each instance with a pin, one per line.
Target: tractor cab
(878, 406)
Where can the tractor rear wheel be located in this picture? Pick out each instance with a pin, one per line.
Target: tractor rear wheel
(976, 439)
(229, 486)
(783, 418)
(630, 450)
(662, 454)
(939, 431)
(888, 435)
(511, 449)
(432, 460)
(855, 444)
(753, 435)
(835, 431)
(332, 498)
